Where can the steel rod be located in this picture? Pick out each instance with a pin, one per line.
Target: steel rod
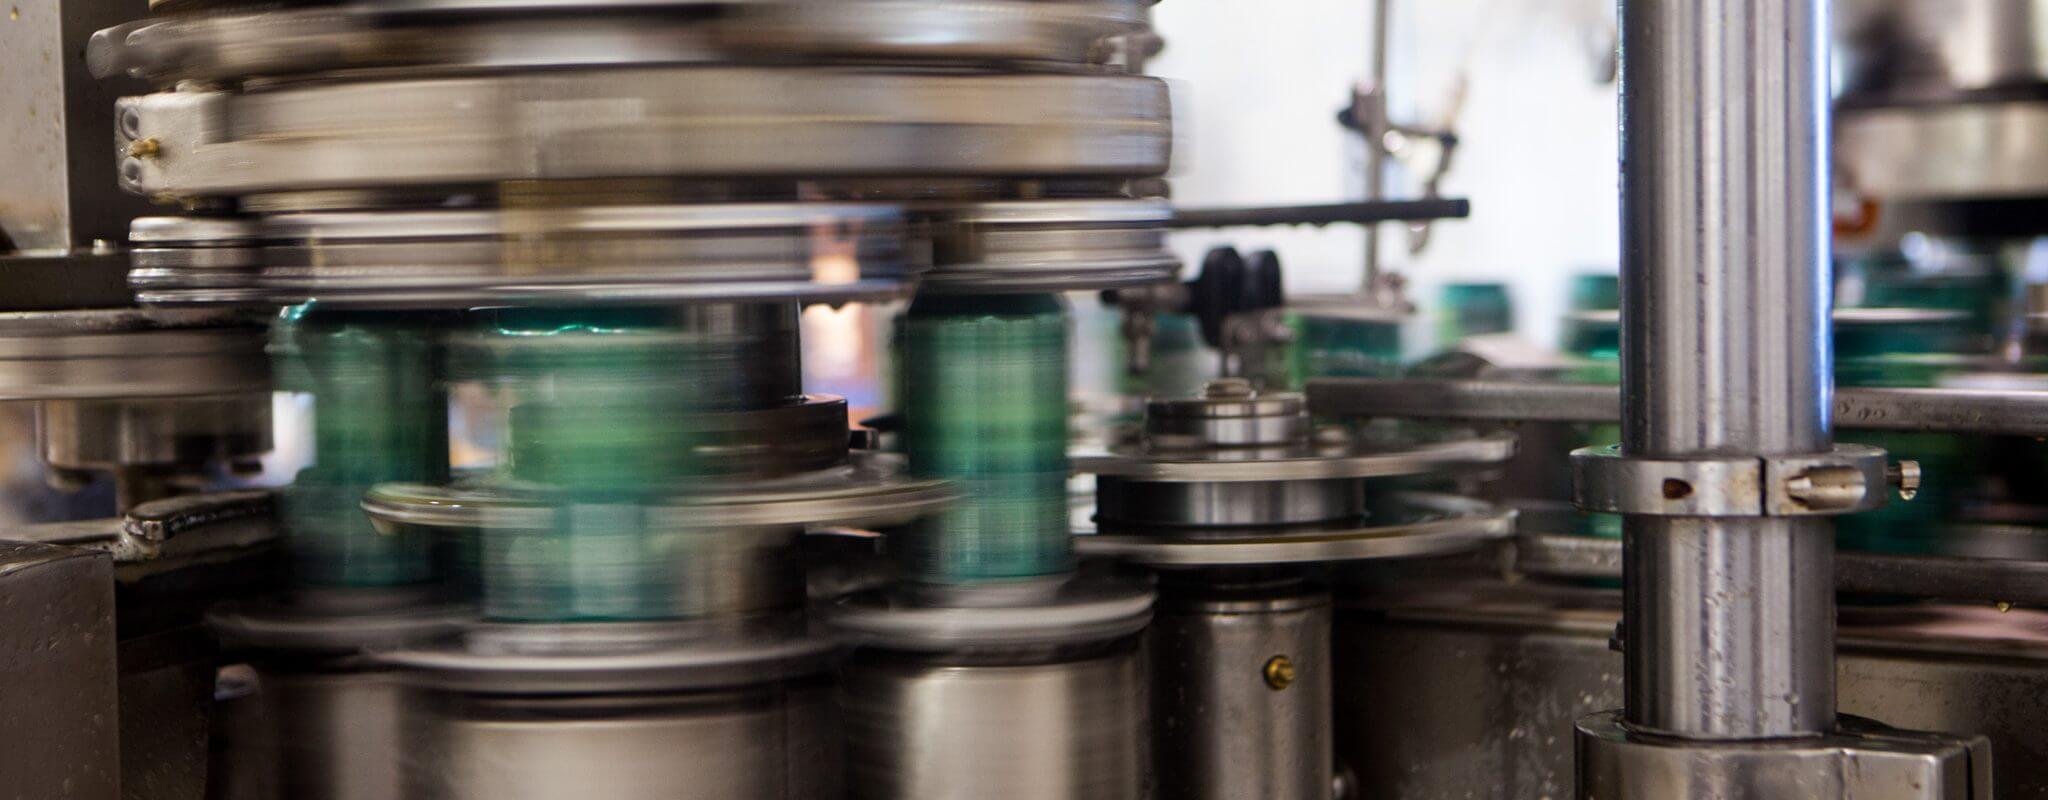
(1725, 352)
(1365, 213)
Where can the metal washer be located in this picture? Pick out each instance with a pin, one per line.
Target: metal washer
(1048, 245)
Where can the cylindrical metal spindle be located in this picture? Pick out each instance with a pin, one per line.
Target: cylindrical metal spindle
(1725, 353)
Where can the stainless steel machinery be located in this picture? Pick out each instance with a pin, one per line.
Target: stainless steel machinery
(526, 286)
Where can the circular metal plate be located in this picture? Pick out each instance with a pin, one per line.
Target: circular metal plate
(446, 35)
(195, 260)
(130, 353)
(733, 252)
(1435, 525)
(1085, 609)
(1371, 457)
(502, 658)
(814, 123)
(1049, 245)
(277, 626)
(869, 492)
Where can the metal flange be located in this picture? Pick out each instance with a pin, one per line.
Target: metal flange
(1362, 458)
(1849, 479)
(1446, 524)
(607, 657)
(1081, 610)
(586, 254)
(1049, 245)
(130, 353)
(870, 491)
(696, 122)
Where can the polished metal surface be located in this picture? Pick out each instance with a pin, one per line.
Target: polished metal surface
(1241, 695)
(195, 260)
(1724, 211)
(168, 432)
(1072, 611)
(58, 703)
(327, 734)
(2014, 412)
(1482, 683)
(1435, 525)
(1946, 152)
(53, 355)
(542, 659)
(1862, 760)
(1049, 245)
(1366, 457)
(1847, 479)
(702, 122)
(2017, 581)
(1122, 503)
(870, 491)
(553, 254)
(926, 729)
(1228, 413)
(366, 36)
(772, 742)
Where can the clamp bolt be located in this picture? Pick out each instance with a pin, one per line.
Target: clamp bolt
(1279, 672)
(1904, 475)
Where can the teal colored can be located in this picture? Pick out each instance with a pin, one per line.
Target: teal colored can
(984, 382)
(1473, 309)
(1906, 348)
(379, 414)
(603, 411)
(1330, 344)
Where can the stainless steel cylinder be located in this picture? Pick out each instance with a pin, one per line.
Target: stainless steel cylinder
(1241, 695)
(935, 728)
(776, 742)
(1241, 503)
(1725, 352)
(329, 734)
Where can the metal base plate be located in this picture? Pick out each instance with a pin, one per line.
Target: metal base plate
(1080, 611)
(1862, 759)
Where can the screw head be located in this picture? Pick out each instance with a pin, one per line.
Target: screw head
(145, 148)
(1279, 672)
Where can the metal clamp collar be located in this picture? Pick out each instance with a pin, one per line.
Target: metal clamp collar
(1849, 479)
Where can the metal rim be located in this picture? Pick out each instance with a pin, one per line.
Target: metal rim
(1046, 245)
(1458, 524)
(728, 252)
(709, 122)
(415, 34)
(130, 353)
(1085, 609)
(665, 661)
(278, 626)
(870, 491)
(1361, 460)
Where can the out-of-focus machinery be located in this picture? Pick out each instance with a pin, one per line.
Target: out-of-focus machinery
(525, 285)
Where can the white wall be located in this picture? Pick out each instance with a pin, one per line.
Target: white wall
(1257, 85)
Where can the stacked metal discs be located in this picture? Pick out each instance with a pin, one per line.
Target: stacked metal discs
(627, 202)
(1236, 500)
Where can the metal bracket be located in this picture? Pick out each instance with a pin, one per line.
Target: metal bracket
(1861, 759)
(1849, 479)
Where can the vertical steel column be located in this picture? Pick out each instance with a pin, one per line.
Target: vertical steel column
(1725, 352)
